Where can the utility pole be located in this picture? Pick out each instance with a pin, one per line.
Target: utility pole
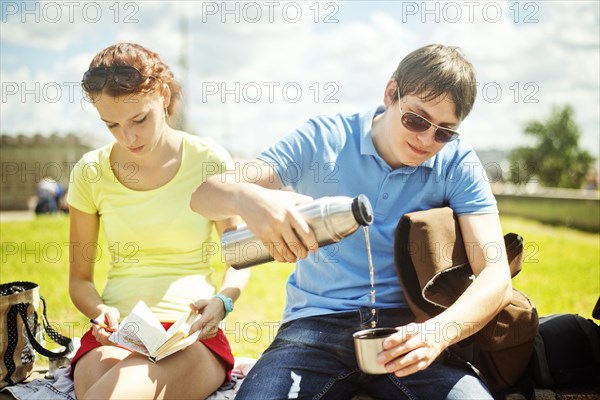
(184, 65)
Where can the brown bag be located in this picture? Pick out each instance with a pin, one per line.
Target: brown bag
(434, 270)
(20, 332)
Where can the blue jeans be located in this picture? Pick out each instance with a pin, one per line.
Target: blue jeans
(313, 358)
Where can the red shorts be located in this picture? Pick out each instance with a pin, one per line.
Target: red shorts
(217, 344)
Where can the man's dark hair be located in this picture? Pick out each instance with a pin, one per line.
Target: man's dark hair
(436, 71)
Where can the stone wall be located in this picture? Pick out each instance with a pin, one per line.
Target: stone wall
(25, 160)
(579, 210)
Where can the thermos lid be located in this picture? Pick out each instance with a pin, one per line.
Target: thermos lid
(362, 210)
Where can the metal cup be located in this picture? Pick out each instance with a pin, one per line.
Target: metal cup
(368, 344)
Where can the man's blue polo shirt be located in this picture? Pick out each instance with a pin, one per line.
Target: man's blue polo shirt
(335, 156)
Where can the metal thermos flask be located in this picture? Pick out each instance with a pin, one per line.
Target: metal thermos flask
(330, 218)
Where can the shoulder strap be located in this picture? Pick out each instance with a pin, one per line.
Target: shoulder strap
(55, 336)
(52, 333)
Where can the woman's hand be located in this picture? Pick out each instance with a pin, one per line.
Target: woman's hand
(109, 316)
(212, 312)
(413, 348)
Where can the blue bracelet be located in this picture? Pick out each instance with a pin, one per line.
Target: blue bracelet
(227, 303)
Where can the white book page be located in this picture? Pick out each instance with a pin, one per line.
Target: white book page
(178, 334)
(176, 346)
(128, 338)
(141, 322)
(184, 323)
(142, 332)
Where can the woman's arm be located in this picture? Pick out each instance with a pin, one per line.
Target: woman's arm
(82, 250)
(234, 281)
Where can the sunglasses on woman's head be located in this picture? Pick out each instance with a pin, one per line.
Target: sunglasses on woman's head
(414, 122)
(124, 76)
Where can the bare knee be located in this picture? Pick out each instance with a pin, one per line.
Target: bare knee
(92, 366)
(191, 373)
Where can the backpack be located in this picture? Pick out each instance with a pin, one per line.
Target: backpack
(434, 270)
(567, 351)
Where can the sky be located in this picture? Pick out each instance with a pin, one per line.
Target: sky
(252, 71)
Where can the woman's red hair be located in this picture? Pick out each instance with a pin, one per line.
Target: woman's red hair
(149, 63)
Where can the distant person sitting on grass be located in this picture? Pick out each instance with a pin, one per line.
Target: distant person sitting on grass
(47, 192)
(404, 155)
(139, 187)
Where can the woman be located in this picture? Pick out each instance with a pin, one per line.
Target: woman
(139, 188)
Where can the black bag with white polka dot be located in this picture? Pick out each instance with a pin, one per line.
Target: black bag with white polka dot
(20, 333)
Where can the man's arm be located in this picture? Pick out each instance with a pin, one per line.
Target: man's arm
(221, 196)
(416, 346)
(269, 213)
(492, 289)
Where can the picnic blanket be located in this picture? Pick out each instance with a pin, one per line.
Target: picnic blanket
(61, 386)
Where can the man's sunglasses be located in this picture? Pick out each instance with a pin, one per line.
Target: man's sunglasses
(124, 76)
(414, 122)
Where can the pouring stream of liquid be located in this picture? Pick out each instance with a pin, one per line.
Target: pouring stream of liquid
(371, 277)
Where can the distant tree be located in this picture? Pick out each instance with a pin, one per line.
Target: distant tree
(556, 159)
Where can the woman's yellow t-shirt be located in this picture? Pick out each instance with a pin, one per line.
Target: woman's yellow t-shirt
(160, 250)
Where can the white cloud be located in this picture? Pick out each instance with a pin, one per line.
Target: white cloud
(535, 65)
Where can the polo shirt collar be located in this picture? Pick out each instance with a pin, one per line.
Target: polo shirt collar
(366, 139)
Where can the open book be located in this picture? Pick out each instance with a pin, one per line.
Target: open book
(141, 331)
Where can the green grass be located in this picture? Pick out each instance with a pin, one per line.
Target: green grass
(561, 274)
(38, 251)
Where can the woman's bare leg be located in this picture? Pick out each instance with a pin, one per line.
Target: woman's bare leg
(95, 364)
(194, 372)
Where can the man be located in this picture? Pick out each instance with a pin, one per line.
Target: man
(404, 156)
